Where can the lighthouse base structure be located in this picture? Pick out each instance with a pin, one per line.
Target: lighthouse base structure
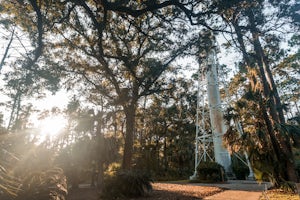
(222, 155)
(217, 124)
(218, 127)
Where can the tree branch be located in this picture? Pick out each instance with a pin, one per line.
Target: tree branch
(39, 50)
(7, 49)
(116, 6)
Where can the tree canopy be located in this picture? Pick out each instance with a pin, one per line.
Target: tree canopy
(120, 60)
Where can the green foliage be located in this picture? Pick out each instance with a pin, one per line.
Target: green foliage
(167, 150)
(291, 132)
(298, 166)
(264, 166)
(76, 159)
(26, 170)
(113, 168)
(240, 170)
(210, 172)
(127, 184)
(297, 160)
(9, 185)
(45, 185)
(116, 55)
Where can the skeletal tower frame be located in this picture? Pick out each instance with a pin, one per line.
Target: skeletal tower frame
(208, 77)
(203, 138)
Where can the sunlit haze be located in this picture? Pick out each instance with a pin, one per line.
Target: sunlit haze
(51, 126)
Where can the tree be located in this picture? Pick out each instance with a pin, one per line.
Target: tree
(249, 20)
(166, 148)
(22, 76)
(34, 28)
(120, 66)
(287, 70)
(97, 29)
(22, 84)
(117, 62)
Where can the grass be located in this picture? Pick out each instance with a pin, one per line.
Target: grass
(279, 195)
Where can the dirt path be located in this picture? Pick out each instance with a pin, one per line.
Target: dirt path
(235, 195)
(239, 190)
(242, 185)
(232, 190)
(161, 191)
(83, 194)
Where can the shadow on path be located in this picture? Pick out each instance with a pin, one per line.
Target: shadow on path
(243, 185)
(239, 190)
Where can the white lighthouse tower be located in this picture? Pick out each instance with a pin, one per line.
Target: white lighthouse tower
(218, 127)
(210, 95)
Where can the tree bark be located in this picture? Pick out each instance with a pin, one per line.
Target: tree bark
(280, 144)
(100, 148)
(270, 93)
(270, 88)
(130, 112)
(165, 154)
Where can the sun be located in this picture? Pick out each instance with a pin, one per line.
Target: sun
(52, 126)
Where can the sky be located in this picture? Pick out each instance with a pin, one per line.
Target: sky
(61, 98)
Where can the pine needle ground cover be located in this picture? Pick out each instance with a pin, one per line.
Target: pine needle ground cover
(161, 191)
(279, 194)
(183, 191)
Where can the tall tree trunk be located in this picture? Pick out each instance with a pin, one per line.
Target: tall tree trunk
(239, 34)
(100, 148)
(276, 114)
(270, 92)
(130, 112)
(14, 115)
(270, 88)
(280, 144)
(165, 154)
(7, 49)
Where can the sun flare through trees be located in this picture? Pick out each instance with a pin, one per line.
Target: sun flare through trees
(129, 72)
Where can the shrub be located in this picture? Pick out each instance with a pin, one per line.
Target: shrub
(9, 185)
(112, 169)
(46, 185)
(239, 168)
(210, 172)
(298, 167)
(241, 172)
(127, 184)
